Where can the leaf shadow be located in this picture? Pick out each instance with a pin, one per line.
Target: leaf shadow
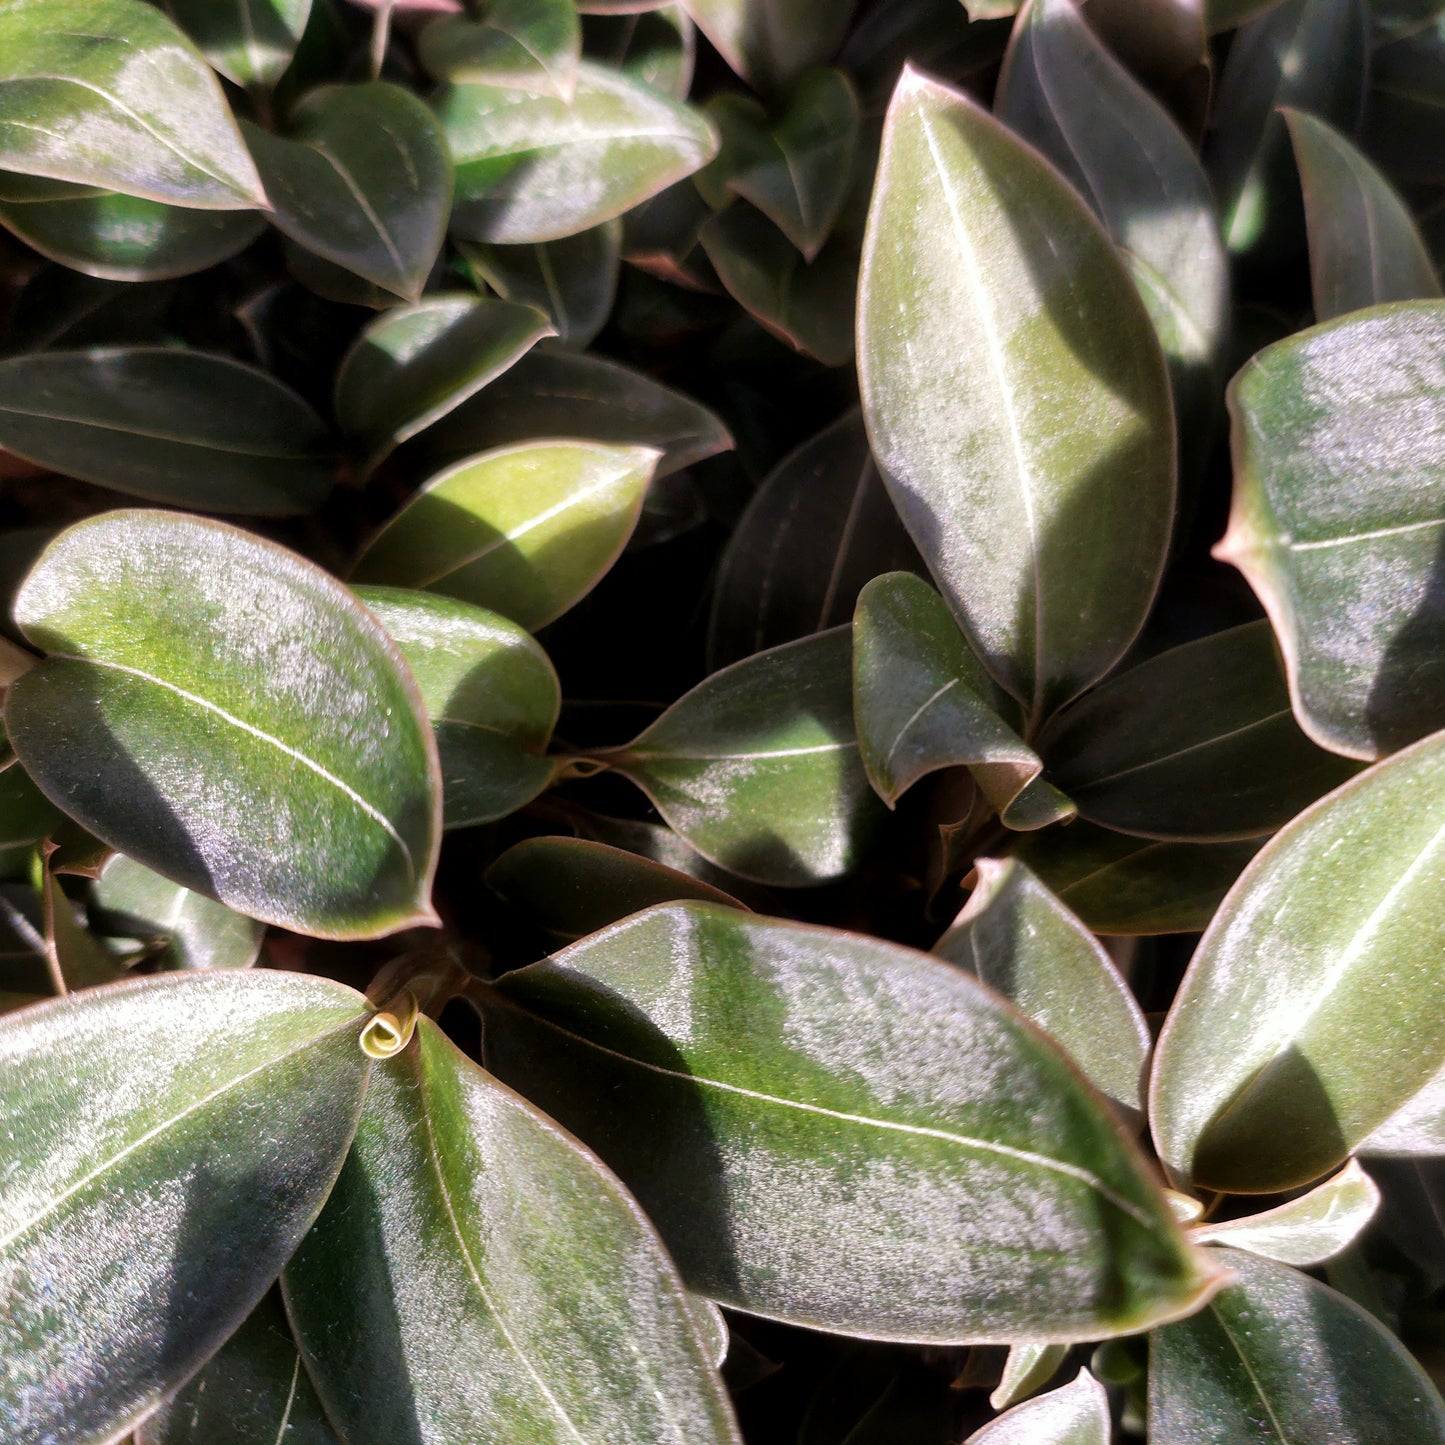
(1406, 697)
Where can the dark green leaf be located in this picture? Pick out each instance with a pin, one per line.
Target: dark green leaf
(657, 47)
(1016, 397)
(26, 815)
(1076, 1414)
(249, 41)
(476, 1275)
(770, 43)
(169, 1141)
(229, 715)
(1228, 14)
(77, 959)
(896, 1153)
(171, 426)
(531, 45)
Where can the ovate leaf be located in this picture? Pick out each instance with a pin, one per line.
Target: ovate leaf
(227, 714)
(896, 1153)
(1015, 395)
(531, 45)
(249, 41)
(772, 42)
(477, 1275)
(113, 95)
(1309, 1014)
(1077, 1414)
(169, 1141)
(524, 531)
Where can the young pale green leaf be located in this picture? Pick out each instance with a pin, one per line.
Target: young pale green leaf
(490, 692)
(897, 1153)
(1278, 1356)
(109, 93)
(1017, 937)
(573, 281)
(1307, 1230)
(1310, 1012)
(525, 530)
(169, 1141)
(530, 45)
(1015, 394)
(477, 1275)
(1339, 505)
(712, 1328)
(174, 426)
(575, 886)
(1026, 1371)
(251, 42)
(254, 1391)
(1076, 1414)
(186, 929)
(1124, 885)
(414, 364)
(1365, 247)
(1198, 743)
(532, 167)
(924, 701)
(770, 43)
(363, 179)
(229, 715)
(553, 393)
(820, 526)
(758, 768)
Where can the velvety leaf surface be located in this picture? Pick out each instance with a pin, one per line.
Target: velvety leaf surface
(528, 44)
(524, 531)
(229, 715)
(477, 1276)
(1365, 247)
(770, 43)
(1077, 1414)
(532, 167)
(1015, 395)
(249, 41)
(363, 179)
(1281, 1052)
(1197, 743)
(1339, 504)
(1278, 1356)
(253, 1392)
(117, 97)
(758, 768)
(895, 1154)
(414, 364)
(1017, 937)
(491, 695)
(169, 425)
(169, 1142)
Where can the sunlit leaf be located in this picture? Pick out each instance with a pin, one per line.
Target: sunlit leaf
(249, 41)
(772, 42)
(528, 44)
(1076, 1414)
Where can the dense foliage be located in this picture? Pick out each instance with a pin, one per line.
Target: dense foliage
(723, 722)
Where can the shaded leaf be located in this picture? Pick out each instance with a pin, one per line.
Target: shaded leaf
(872, 1400)
(175, 426)
(491, 695)
(153, 1192)
(897, 1153)
(1015, 396)
(561, 1317)
(1281, 1052)
(250, 42)
(1076, 1414)
(524, 530)
(1167, 47)
(527, 44)
(1405, 120)
(230, 716)
(1026, 1371)
(770, 43)
(77, 960)
(27, 816)
(1222, 15)
(657, 47)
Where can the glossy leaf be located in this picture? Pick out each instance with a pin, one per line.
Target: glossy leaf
(1339, 502)
(1196, 743)
(251, 42)
(491, 695)
(252, 1392)
(172, 426)
(1280, 1054)
(758, 768)
(524, 530)
(1015, 396)
(1027, 1370)
(477, 1275)
(169, 1142)
(526, 44)
(1307, 1230)
(770, 43)
(574, 886)
(550, 393)
(363, 179)
(1015, 936)
(820, 526)
(414, 364)
(896, 1154)
(117, 97)
(1076, 1414)
(1278, 1356)
(227, 714)
(923, 701)
(531, 167)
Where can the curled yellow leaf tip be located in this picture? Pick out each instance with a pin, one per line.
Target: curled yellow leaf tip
(389, 1031)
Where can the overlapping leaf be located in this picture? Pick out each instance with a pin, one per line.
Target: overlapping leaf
(249, 41)
(772, 42)
(1076, 1414)
(529, 44)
